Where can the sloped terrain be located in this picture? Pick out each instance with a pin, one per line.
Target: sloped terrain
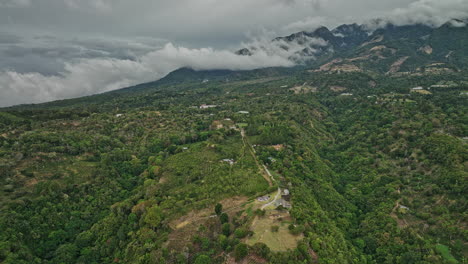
(411, 49)
(366, 151)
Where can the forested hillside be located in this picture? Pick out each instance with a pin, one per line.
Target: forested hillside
(268, 167)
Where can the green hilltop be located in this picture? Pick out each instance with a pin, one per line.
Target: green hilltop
(353, 160)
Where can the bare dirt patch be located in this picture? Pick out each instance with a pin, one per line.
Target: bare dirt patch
(338, 88)
(163, 180)
(327, 66)
(395, 67)
(379, 47)
(303, 89)
(422, 92)
(31, 183)
(359, 58)
(374, 40)
(345, 68)
(186, 226)
(426, 49)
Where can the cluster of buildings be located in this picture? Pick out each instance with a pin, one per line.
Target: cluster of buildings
(284, 200)
(230, 161)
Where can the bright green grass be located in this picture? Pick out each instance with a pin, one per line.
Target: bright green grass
(444, 251)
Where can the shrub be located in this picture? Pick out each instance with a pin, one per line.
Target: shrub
(241, 251)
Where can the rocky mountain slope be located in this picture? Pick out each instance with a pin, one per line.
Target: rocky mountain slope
(410, 49)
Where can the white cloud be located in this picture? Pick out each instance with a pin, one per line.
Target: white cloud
(458, 23)
(293, 50)
(90, 76)
(428, 12)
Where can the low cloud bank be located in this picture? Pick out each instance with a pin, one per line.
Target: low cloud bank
(86, 76)
(428, 12)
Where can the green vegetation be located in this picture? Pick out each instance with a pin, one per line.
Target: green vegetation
(445, 252)
(375, 177)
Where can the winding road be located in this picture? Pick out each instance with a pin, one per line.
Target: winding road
(278, 194)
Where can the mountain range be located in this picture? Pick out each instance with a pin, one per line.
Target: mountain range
(392, 49)
(357, 155)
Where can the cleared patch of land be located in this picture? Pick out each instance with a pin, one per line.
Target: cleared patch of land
(186, 226)
(280, 240)
(422, 91)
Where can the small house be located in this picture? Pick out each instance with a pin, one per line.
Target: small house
(286, 195)
(283, 203)
(263, 198)
(278, 147)
(205, 106)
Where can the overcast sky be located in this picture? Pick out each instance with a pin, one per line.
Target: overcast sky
(55, 49)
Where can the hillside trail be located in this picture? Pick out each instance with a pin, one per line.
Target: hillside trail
(263, 170)
(402, 223)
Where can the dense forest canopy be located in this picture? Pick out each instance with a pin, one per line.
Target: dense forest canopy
(358, 157)
(375, 173)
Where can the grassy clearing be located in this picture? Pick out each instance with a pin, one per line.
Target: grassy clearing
(282, 240)
(422, 92)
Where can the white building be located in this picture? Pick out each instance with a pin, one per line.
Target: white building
(205, 106)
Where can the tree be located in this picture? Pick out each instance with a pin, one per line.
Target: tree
(260, 212)
(66, 253)
(241, 232)
(202, 259)
(241, 251)
(218, 209)
(261, 250)
(224, 218)
(226, 228)
(153, 216)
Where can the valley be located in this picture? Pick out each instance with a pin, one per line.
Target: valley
(359, 156)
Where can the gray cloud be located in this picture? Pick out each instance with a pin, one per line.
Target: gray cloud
(48, 54)
(191, 22)
(306, 24)
(54, 49)
(429, 12)
(95, 75)
(15, 3)
(7, 38)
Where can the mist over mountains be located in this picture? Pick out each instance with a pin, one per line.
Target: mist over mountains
(83, 67)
